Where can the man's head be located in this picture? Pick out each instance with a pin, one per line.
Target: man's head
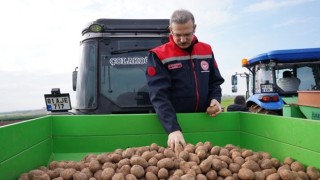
(240, 100)
(182, 27)
(286, 74)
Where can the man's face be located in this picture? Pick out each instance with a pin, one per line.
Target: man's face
(183, 33)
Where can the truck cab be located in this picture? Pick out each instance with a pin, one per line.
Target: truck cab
(110, 78)
(266, 70)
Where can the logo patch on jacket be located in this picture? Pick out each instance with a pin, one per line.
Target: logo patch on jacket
(151, 71)
(204, 66)
(175, 66)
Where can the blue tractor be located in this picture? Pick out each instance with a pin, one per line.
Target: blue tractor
(268, 87)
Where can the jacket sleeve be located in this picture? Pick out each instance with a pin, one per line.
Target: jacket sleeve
(159, 84)
(215, 81)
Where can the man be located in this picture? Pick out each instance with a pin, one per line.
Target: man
(289, 82)
(182, 76)
(239, 104)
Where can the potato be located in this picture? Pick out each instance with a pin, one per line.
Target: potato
(137, 171)
(224, 172)
(159, 156)
(153, 161)
(193, 157)
(297, 166)
(187, 177)
(163, 173)
(212, 174)
(53, 174)
(110, 165)
(154, 147)
(147, 155)
(250, 164)
(201, 177)
(118, 176)
(131, 177)
(103, 158)
(286, 174)
(178, 172)
(38, 174)
(197, 169)
(234, 167)
(266, 164)
(184, 166)
(115, 157)
(153, 169)
(313, 173)
(303, 175)
(245, 173)
(169, 153)
(215, 150)
(151, 176)
(135, 160)
(275, 162)
(94, 165)
(274, 176)
(125, 170)
(239, 160)
(128, 153)
(184, 155)
(79, 176)
(212, 110)
(123, 162)
(224, 152)
(190, 148)
(23, 176)
(288, 160)
(165, 163)
(267, 172)
(67, 173)
(205, 166)
(216, 164)
(87, 172)
(201, 154)
(245, 153)
(107, 173)
(225, 159)
(258, 175)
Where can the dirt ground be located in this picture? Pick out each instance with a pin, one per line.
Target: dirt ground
(2, 123)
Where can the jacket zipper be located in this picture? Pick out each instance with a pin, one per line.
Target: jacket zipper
(196, 82)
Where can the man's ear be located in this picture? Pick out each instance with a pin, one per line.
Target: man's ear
(194, 28)
(170, 29)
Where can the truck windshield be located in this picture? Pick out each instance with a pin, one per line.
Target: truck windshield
(122, 70)
(86, 84)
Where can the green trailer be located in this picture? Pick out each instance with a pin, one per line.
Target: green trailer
(27, 145)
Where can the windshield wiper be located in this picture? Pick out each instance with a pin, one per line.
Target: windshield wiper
(121, 51)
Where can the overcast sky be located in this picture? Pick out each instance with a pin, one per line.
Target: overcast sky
(39, 45)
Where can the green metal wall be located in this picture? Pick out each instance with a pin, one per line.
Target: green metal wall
(30, 144)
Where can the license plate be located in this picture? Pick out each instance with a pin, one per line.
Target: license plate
(59, 102)
(265, 88)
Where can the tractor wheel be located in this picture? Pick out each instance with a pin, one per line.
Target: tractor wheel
(260, 110)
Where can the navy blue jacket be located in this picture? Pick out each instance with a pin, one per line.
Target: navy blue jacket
(182, 81)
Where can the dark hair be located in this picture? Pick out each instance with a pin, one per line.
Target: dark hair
(286, 74)
(240, 100)
(181, 16)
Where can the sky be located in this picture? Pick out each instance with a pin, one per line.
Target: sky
(39, 45)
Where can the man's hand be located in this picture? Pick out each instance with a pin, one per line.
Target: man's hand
(175, 138)
(217, 104)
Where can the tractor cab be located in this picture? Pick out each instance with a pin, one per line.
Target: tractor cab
(275, 78)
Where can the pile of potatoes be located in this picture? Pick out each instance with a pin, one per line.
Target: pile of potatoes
(201, 161)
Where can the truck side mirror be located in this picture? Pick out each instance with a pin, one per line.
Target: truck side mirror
(234, 80)
(74, 79)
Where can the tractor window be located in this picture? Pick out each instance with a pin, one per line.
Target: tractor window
(86, 82)
(122, 70)
(263, 76)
